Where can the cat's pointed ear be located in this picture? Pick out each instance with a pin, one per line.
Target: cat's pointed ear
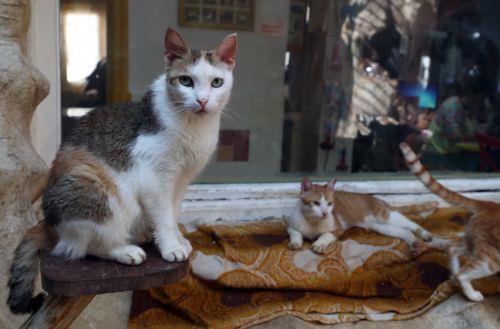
(305, 185)
(227, 49)
(175, 47)
(331, 184)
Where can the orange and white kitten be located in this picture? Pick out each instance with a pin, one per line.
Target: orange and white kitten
(479, 246)
(324, 214)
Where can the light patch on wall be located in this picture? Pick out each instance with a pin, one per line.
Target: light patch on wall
(271, 29)
(287, 59)
(82, 45)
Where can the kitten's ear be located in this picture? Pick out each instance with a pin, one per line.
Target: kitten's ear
(331, 184)
(175, 47)
(227, 49)
(305, 185)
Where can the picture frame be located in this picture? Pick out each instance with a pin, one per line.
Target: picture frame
(234, 15)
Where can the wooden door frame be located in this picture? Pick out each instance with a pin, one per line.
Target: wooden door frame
(117, 87)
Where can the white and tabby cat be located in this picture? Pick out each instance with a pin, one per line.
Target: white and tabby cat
(123, 172)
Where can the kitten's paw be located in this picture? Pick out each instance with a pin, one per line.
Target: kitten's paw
(474, 295)
(319, 247)
(295, 245)
(128, 255)
(418, 247)
(425, 235)
(440, 243)
(175, 252)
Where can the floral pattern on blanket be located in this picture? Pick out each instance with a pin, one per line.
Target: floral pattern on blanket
(244, 274)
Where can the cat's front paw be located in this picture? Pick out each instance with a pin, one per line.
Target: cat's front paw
(418, 247)
(128, 255)
(295, 245)
(320, 247)
(474, 295)
(425, 235)
(175, 252)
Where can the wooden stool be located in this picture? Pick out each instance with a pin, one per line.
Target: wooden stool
(71, 285)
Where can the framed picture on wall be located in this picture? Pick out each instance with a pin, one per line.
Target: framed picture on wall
(236, 15)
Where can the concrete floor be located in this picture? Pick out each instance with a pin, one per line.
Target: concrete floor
(111, 311)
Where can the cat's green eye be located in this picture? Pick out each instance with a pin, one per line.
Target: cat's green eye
(316, 203)
(217, 82)
(186, 81)
(330, 203)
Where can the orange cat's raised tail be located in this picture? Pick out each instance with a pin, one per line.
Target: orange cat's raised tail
(479, 246)
(425, 177)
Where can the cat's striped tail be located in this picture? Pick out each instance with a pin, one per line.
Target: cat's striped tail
(425, 177)
(24, 271)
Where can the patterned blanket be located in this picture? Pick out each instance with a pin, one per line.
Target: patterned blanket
(244, 274)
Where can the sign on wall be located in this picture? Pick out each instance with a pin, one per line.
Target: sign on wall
(271, 29)
(217, 14)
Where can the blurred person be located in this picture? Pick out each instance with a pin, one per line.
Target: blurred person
(456, 120)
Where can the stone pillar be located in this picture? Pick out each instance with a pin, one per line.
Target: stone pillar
(22, 171)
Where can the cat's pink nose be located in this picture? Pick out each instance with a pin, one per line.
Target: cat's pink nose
(202, 102)
(324, 214)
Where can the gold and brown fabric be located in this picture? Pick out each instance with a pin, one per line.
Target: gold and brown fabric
(244, 274)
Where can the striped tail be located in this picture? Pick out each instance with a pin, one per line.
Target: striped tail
(24, 271)
(425, 177)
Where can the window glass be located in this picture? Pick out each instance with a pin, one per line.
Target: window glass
(327, 88)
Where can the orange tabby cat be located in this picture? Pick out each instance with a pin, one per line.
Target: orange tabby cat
(479, 246)
(324, 213)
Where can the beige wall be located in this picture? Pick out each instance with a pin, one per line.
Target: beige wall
(258, 92)
(43, 52)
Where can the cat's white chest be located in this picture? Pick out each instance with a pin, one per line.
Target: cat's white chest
(198, 143)
(175, 151)
(308, 230)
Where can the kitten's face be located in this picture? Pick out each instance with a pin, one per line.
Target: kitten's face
(317, 200)
(199, 82)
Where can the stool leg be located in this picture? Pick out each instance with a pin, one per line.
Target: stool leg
(57, 312)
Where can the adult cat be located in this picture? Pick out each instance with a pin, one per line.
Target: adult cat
(324, 214)
(120, 177)
(479, 245)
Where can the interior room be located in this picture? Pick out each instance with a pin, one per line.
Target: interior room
(333, 90)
